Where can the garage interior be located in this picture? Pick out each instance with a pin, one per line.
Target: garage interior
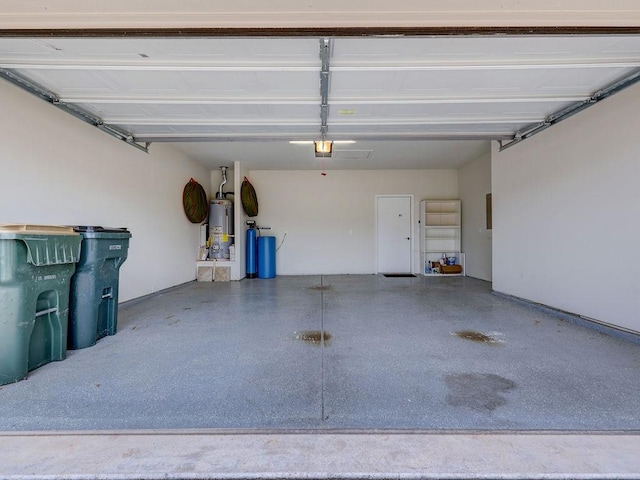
(431, 118)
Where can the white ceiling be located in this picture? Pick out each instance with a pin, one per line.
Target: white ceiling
(408, 102)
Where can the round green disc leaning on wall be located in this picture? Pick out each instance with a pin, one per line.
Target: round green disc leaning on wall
(194, 199)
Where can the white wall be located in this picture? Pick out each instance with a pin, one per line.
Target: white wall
(566, 214)
(240, 270)
(331, 220)
(475, 182)
(59, 170)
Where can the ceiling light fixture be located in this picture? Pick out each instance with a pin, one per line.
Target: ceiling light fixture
(323, 148)
(311, 142)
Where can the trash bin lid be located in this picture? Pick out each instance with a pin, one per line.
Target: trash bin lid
(46, 244)
(99, 229)
(26, 229)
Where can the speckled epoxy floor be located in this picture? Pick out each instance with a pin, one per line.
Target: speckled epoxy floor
(335, 352)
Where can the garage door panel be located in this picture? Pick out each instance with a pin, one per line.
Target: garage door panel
(484, 50)
(153, 83)
(251, 130)
(195, 111)
(447, 110)
(472, 83)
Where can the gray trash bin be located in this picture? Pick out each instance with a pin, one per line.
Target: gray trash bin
(94, 287)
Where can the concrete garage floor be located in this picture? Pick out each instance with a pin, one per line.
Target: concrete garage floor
(232, 381)
(336, 353)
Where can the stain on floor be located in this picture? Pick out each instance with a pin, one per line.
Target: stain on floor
(481, 392)
(313, 337)
(477, 337)
(321, 288)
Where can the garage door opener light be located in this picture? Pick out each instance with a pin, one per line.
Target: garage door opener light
(323, 148)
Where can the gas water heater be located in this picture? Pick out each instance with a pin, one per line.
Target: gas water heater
(220, 223)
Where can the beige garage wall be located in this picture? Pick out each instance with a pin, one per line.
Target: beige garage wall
(58, 170)
(475, 184)
(566, 214)
(315, 13)
(330, 220)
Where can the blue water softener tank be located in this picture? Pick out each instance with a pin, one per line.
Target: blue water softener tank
(266, 257)
(252, 253)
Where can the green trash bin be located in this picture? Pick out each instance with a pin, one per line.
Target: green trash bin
(94, 287)
(36, 265)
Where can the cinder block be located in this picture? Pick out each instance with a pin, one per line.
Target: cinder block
(222, 274)
(205, 274)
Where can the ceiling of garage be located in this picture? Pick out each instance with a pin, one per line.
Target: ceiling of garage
(407, 102)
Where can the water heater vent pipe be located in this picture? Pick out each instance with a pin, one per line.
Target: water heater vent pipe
(220, 195)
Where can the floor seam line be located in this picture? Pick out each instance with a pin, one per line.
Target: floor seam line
(322, 348)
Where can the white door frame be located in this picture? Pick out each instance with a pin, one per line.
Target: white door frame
(411, 235)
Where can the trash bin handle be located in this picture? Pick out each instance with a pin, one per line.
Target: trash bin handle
(46, 312)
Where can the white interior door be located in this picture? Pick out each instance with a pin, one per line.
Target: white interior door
(394, 234)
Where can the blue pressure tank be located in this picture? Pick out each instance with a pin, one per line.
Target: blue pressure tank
(252, 258)
(266, 257)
